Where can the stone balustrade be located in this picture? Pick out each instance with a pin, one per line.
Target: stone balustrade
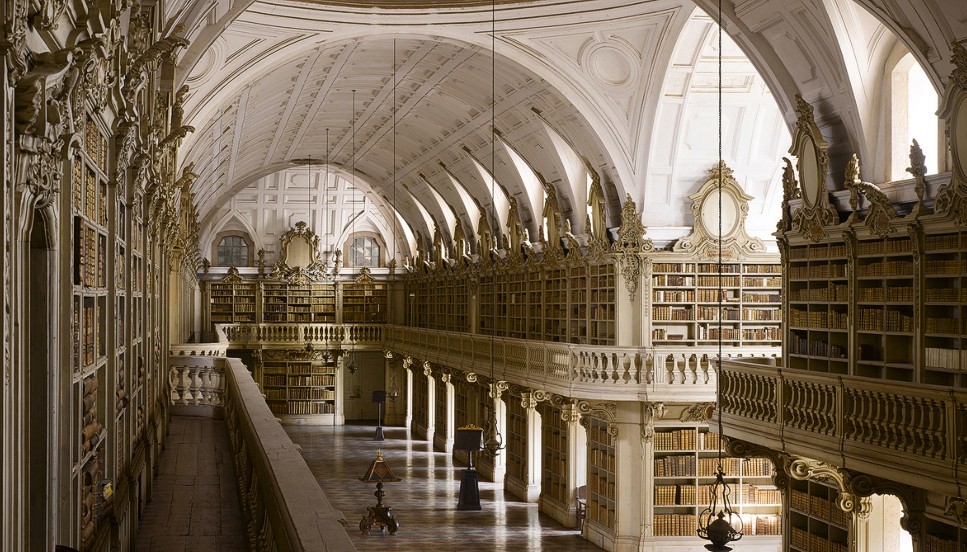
(198, 349)
(889, 429)
(282, 504)
(321, 335)
(196, 385)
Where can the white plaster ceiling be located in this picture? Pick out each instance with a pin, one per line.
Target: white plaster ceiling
(268, 77)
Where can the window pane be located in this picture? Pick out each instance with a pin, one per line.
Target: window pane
(232, 251)
(364, 252)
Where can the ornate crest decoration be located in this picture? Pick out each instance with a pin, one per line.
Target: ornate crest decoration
(918, 169)
(952, 197)
(313, 270)
(816, 213)
(630, 244)
(704, 239)
(881, 212)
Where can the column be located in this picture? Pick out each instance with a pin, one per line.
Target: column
(394, 411)
(577, 463)
(649, 413)
(449, 430)
(408, 393)
(430, 401)
(500, 412)
(629, 487)
(532, 491)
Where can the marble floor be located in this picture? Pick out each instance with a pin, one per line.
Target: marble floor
(194, 503)
(425, 501)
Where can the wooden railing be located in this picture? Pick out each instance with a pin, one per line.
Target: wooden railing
(894, 430)
(322, 335)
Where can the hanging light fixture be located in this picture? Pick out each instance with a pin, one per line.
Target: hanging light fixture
(493, 441)
(351, 362)
(718, 523)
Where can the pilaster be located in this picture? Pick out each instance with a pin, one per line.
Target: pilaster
(532, 490)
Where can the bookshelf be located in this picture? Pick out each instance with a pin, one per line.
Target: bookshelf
(578, 311)
(232, 299)
(292, 302)
(815, 521)
(943, 537)
(944, 296)
(554, 440)
(555, 304)
(299, 386)
(684, 302)
(96, 317)
(363, 302)
(516, 442)
(602, 308)
(686, 457)
(601, 496)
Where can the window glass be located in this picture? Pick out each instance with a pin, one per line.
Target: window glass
(232, 251)
(364, 252)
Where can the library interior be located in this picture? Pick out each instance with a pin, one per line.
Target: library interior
(522, 275)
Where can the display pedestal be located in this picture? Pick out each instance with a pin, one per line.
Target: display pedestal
(469, 491)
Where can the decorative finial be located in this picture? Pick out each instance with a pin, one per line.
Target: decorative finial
(958, 56)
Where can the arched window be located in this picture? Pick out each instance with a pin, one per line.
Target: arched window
(232, 251)
(364, 251)
(914, 106)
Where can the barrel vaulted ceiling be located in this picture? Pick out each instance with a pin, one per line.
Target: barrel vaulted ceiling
(267, 78)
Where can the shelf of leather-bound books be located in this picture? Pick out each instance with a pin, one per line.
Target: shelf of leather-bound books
(944, 299)
(535, 305)
(554, 440)
(686, 459)
(518, 308)
(362, 302)
(299, 384)
(555, 304)
(601, 495)
(602, 307)
(577, 309)
(516, 442)
(232, 302)
(884, 317)
(816, 522)
(692, 305)
(306, 303)
(818, 290)
(939, 536)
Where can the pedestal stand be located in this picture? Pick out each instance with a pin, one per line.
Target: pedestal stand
(379, 515)
(469, 487)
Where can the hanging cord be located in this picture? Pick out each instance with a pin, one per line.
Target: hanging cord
(325, 231)
(718, 380)
(493, 183)
(393, 214)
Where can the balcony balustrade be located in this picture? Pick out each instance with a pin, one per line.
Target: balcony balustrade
(895, 431)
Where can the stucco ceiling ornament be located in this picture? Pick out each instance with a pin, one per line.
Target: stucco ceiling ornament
(881, 212)
(629, 246)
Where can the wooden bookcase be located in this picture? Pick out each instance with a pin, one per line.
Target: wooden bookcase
(232, 299)
(555, 304)
(815, 521)
(364, 302)
(516, 441)
(93, 311)
(601, 498)
(684, 302)
(944, 296)
(299, 386)
(686, 457)
(554, 440)
(602, 311)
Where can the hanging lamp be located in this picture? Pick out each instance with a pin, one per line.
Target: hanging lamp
(718, 523)
(493, 441)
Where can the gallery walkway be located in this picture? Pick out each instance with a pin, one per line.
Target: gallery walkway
(194, 504)
(425, 501)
